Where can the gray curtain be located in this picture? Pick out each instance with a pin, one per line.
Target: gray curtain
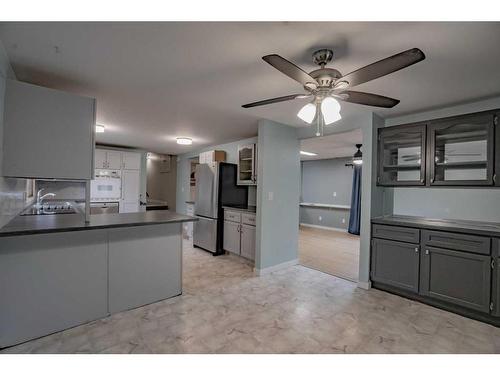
(355, 216)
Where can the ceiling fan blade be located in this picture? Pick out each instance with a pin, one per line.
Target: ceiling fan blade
(381, 68)
(368, 99)
(291, 70)
(276, 100)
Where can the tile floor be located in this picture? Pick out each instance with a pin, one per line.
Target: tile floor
(336, 253)
(226, 309)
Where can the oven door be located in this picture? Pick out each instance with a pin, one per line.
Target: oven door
(105, 188)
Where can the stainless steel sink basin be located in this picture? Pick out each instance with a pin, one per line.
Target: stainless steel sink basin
(52, 208)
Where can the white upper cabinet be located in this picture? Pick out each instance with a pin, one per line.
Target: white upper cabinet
(100, 160)
(131, 160)
(114, 159)
(47, 133)
(247, 164)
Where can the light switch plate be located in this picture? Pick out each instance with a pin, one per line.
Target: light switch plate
(334, 193)
(270, 196)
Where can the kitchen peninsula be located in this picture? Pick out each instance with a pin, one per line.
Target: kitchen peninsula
(58, 271)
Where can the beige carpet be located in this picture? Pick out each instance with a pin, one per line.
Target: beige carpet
(336, 253)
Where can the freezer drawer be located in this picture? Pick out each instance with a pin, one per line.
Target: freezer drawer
(205, 233)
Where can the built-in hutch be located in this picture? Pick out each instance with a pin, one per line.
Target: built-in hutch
(452, 264)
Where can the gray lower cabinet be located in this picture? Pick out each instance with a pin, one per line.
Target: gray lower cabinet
(50, 282)
(496, 288)
(232, 237)
(395, 263)
(456, 277)
(248, 241)
(239, 233)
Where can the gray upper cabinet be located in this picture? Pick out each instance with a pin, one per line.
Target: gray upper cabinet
(395, 263)
(456, 277)
(401, 155)
(47, 133)
(462, 150)
(452, 151)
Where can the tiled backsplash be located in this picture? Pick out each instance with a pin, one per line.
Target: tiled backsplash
(12, 198)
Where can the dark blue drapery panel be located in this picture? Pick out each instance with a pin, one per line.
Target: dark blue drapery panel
(355, 216)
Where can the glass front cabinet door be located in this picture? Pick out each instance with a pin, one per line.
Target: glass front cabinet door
(247, 165)
(401, 155)
(461, 150)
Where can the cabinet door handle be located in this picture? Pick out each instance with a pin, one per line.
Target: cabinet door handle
(426, 252)
(416, 249)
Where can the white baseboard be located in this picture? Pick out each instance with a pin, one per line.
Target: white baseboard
(265, 271)
(322, 227)
(364, 285)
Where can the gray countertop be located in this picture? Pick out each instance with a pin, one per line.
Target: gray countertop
(450, 225)
(249, 209)
(22, 225)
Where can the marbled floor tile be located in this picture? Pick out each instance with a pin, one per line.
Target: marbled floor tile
(225, 308)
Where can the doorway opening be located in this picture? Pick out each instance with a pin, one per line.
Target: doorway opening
(330, 200)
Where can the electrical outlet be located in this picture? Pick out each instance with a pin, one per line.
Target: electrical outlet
(334, 193)
(270, 196)
(320, 218)
(343, 220)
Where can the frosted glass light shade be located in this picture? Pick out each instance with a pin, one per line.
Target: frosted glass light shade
(307, 113)
(330, 108)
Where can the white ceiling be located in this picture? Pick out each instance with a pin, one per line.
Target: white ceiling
(157, 81)
(332, 146)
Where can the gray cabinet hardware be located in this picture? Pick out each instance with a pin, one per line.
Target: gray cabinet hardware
(416, 249)
(426, 251)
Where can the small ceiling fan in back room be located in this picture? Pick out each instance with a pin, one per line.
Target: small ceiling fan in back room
(326, 85)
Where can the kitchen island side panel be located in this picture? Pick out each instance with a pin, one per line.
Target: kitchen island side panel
(50, 282)
(145, 265)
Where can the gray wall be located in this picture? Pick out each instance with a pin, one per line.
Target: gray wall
(279, 177)
(12, 190)
(319, 180)
(159, 185)
(450, 203)
(184, 170)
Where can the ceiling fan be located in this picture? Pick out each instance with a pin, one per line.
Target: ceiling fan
(326, 85)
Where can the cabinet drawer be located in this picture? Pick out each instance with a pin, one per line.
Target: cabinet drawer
(232, 216)
(390, 232)
(248, 219)
(456, 241)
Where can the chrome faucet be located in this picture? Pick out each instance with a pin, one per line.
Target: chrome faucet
(40, 198)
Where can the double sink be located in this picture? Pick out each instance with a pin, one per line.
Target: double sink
(52, 208)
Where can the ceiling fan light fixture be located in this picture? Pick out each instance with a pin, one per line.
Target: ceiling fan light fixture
(330, 108)
(307, 113)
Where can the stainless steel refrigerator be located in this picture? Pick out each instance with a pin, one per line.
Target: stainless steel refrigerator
(215, 187)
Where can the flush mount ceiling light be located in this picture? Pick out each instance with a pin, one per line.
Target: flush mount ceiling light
(325, 85)
(357, 158)
(184, 141)
(99, 128)
(305, 153)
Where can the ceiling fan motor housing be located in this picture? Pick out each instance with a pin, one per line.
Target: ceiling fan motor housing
(325, 77)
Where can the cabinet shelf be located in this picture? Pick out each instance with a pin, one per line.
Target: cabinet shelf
(402, 167)
(464, 164)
